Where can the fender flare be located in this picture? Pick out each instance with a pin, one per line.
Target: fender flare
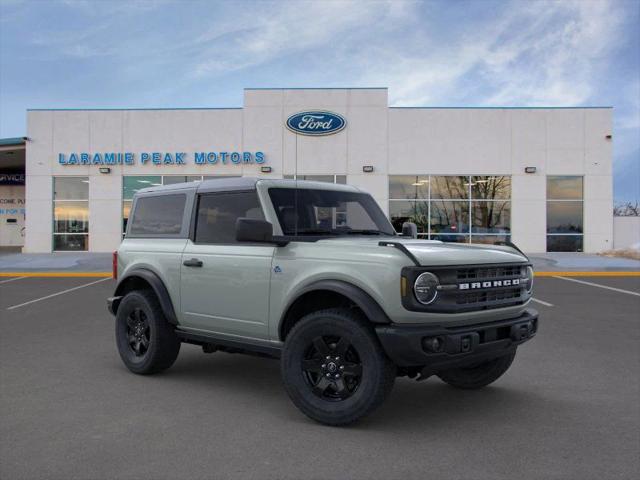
(364, 301)
(162, 294)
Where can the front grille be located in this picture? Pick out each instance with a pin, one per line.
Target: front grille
(468, 289)
(488, 297)
(509, 271)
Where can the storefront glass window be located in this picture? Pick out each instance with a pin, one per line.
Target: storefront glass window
(70, 213)
(413, 187)
(450, 187)
(416, 212)
(564, 214)
(453, 208)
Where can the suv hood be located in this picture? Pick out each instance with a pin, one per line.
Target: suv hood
(434, 252)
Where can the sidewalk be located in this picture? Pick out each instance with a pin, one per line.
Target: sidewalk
(71, 262)
(84, 262)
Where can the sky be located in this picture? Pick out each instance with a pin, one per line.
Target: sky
(112, 54)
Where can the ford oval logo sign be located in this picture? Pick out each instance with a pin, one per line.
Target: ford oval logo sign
(316, 123)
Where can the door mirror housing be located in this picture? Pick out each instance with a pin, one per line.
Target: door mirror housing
(256, 231)
(409, 229)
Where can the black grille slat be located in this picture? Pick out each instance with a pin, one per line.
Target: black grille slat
(489, 273)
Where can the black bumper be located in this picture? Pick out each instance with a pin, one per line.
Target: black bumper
(440, 348)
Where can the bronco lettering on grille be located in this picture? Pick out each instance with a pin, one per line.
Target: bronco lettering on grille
(489, 284)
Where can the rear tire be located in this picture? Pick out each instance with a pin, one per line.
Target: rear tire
(478, 376)
(334, 368)
(146, 342)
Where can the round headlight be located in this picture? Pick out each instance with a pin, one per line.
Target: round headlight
(529, 279)
(426, 288)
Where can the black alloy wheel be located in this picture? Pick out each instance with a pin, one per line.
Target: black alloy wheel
(146, 342)
(138, 334)
(332, 367)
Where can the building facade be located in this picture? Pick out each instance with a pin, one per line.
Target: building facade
(539, 177)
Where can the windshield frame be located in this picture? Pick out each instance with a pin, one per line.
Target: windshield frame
(384, 228)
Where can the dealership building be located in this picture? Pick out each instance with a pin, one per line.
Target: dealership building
(539, 177)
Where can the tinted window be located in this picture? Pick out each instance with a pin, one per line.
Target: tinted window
(217, 215)
(159, 215)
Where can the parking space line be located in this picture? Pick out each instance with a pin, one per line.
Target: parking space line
(58, 293)
(620, 290)
(12, 279)
(542, 302)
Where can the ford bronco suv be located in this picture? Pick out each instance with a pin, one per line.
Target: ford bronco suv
(315, 275)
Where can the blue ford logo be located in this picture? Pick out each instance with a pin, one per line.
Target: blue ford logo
(316, 123)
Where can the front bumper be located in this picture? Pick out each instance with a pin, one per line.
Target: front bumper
(414, 346)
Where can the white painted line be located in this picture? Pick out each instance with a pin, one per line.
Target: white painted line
(541, 302)
(628, 292)
(59, 293)
(12, 279)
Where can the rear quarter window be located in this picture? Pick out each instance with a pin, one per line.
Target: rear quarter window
(158, 215)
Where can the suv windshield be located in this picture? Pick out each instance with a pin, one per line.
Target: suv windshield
(306, 211)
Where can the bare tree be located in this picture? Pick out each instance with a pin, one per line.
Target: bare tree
(627, 209)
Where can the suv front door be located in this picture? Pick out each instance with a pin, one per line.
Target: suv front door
(225, 284)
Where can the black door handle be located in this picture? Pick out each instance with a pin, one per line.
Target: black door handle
(194, 262)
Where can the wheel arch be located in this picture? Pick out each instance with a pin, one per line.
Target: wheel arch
(330, 293)
(142, 278)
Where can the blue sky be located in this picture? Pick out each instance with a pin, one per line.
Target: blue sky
(78, 54)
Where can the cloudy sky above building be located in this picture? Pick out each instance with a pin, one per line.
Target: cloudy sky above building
(110, 54)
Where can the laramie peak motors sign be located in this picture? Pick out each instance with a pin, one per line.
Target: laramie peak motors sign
(160, 158)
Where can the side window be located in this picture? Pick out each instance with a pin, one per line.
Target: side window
(218, 212)
(158, 215)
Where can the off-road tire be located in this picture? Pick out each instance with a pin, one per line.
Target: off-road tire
(363, 394)
(163, 345)
(478, 376)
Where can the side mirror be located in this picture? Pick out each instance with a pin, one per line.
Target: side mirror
(409, 229)
(250, 230)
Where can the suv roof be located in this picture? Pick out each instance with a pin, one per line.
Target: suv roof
(222, 184)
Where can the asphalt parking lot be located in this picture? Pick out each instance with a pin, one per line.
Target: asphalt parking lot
(568, 408)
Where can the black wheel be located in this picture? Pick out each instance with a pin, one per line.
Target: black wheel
(146, 341)
(334, 368)
(478, 376)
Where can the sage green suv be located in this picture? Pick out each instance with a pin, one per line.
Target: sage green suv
(314, 274)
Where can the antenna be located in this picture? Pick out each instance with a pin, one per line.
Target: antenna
(295, 191)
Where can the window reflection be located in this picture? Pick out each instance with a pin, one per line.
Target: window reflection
(449, 217)
(416, 212)
(491, 217)
(490, 239)
(564, 217)
(131, 184)
(71, 217)
(70, 213)
(564, 188)
(451, 238)
(491, 187)
(450, 187)
(71, 188)
(564, 243)
(409, 186)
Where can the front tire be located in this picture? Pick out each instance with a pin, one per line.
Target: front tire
(146, 342)
(478, 376)
(334, 368)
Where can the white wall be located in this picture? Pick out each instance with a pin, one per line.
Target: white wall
(626, 232)
(392, 140)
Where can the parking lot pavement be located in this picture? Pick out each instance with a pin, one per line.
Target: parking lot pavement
(568, 407)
